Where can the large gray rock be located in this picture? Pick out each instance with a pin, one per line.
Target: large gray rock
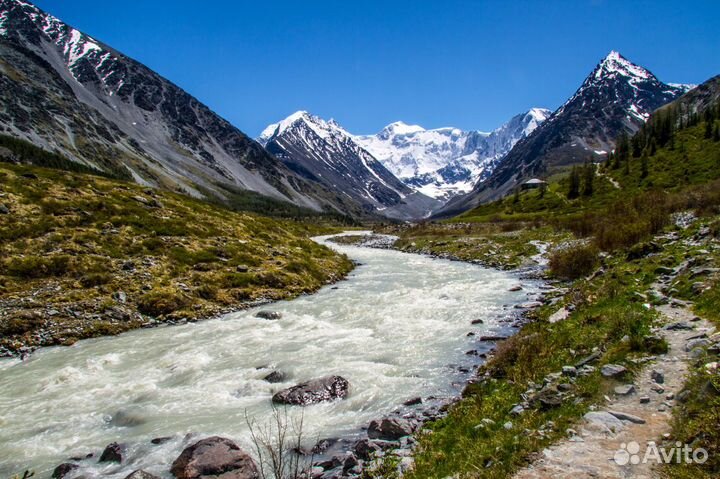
(605, 419)
(390, 429)
(697, 343)
(214, 458)
(314, 391)
(271, 315)
(613, 370)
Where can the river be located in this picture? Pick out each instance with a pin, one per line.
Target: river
(396, 329)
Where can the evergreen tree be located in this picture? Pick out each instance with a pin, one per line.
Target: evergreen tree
(543, 189)
(588, 178)
(516, 196)
(716, 133)
(574, 183)
(643, 166)
(653, 147)
(708, 129)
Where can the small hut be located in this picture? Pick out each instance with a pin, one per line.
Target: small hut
(533, 183)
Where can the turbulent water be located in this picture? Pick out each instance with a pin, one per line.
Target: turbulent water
(396, 329)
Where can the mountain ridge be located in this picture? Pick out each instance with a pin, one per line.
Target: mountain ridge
(67, 92)
(443, 162)
(325, 152)
(616, 97)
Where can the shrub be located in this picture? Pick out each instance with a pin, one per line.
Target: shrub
(95, 279)
(162, 302)
(38, 267)
(574, 262)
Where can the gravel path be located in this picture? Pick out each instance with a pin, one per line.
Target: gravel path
(591, 452)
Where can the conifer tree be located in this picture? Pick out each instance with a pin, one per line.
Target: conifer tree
(588, 178)
(574, 183)
(643, 166)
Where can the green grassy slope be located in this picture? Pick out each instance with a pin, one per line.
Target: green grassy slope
(83, 256)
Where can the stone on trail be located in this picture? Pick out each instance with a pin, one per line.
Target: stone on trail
(605, 419)
(613, 370)
(623, 416)
(625, 390)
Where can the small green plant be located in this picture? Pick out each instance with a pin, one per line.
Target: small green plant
(574, 261)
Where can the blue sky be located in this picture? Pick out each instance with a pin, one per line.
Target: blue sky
(466, 64)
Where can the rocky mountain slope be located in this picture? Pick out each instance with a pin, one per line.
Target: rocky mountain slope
(69, 93)
(322, 151)
(444, 162)
(618, 96)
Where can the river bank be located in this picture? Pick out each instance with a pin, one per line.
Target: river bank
(84, 257)
(537, 387)
(396, 328)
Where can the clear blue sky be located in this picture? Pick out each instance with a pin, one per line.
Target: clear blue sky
(367, 63)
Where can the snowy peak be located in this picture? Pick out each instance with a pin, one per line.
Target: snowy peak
(443, 162)
(87, 60)
(400, 128)
(534, 118)
(616, 65)
(324, 129)
(325, 151)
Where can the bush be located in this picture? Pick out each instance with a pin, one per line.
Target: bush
(574, 262)
(95, 279)
(37, 266)
(162, 302)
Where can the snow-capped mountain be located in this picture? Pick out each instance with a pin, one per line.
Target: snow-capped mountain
(324, 152)
(65, 91)
(618, 96)
(444, 162)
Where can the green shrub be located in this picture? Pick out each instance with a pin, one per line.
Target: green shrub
(574, 262)
(162, 302)
(37, 266)
(95, 279)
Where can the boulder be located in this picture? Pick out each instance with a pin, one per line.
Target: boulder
(390, 429)
(271, 315)
(214, 457)
(275, 377)
(63, 469)
(625, 390)
(161, 440)
(605, 419)
(314, 391)
(658, 376)
(613, 370)
(140, 474)
(4, 210)
(365, 449)
(113, 453)
(696, 343)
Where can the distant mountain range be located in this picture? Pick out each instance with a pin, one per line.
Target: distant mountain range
(71, 94)
(446, 161)
(324, 152)
(618, 96)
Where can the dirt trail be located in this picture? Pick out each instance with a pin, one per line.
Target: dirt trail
(591, 452)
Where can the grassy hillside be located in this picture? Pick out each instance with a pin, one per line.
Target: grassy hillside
(84, 256)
